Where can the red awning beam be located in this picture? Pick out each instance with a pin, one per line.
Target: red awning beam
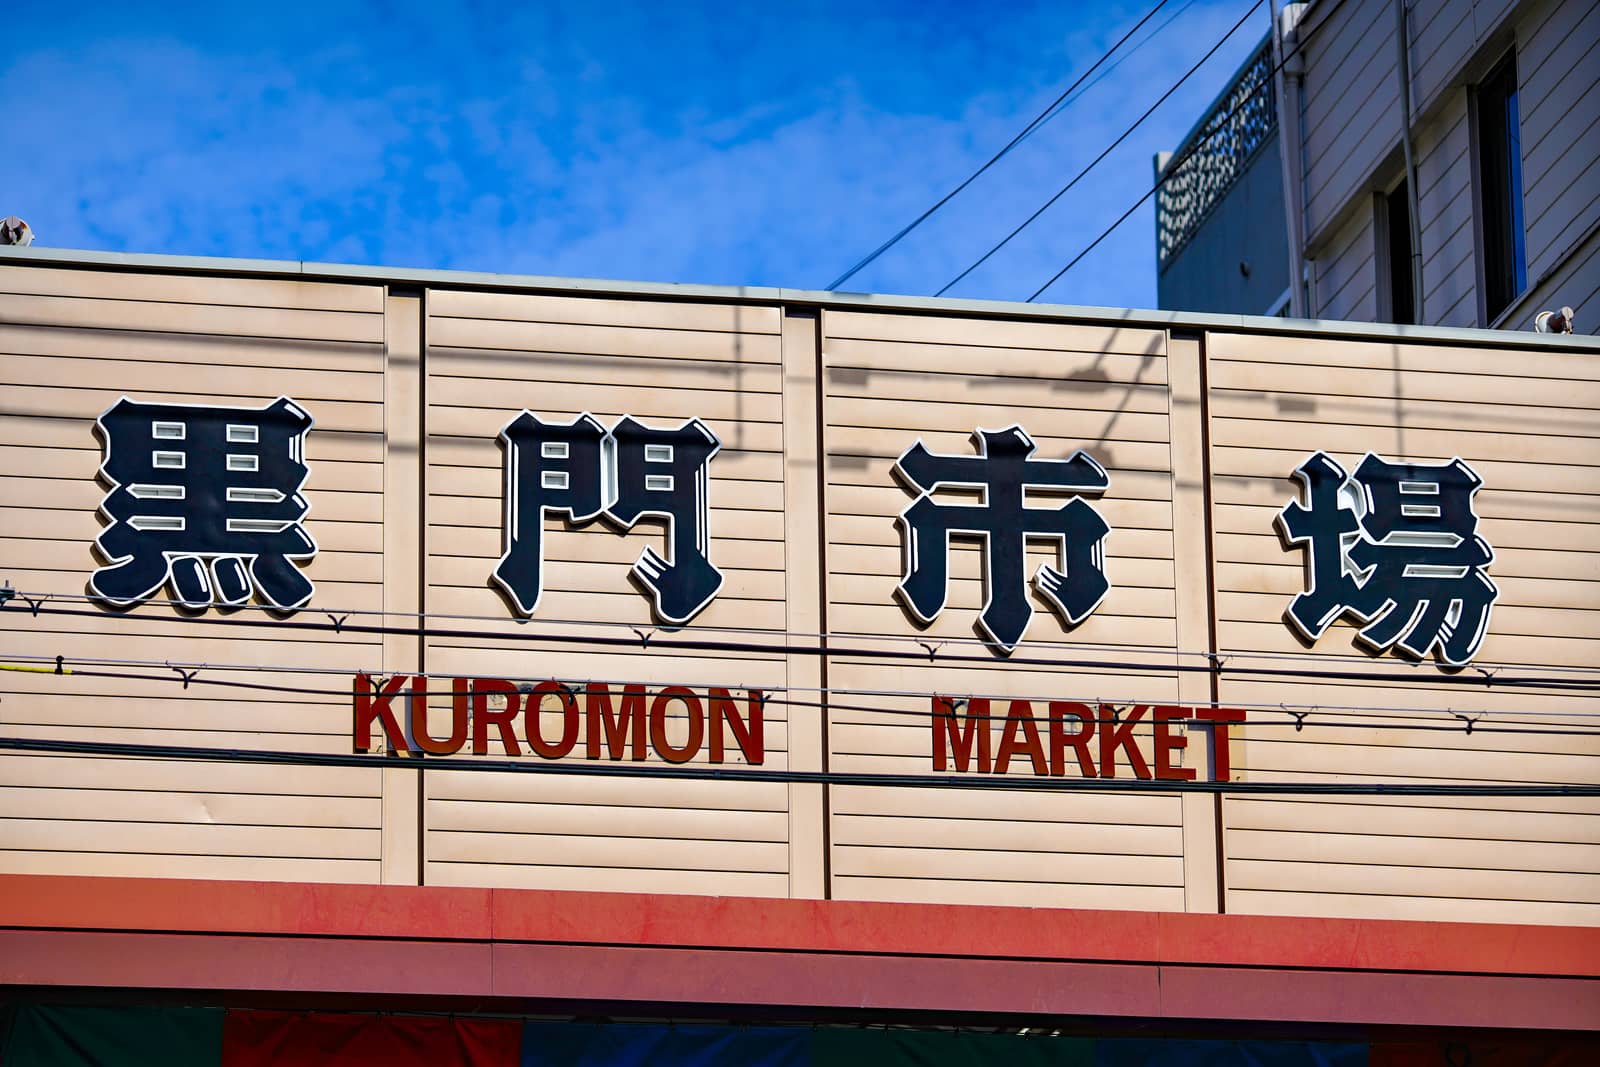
(546, 948)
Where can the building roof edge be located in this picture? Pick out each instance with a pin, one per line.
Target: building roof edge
(458, 279)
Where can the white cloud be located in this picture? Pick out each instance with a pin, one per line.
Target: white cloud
(668, 151)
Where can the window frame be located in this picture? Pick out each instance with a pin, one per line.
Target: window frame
(1389, 272)
(1505, 234)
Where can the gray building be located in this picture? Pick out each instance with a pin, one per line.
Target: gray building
(1220, 239)
(1303, 191)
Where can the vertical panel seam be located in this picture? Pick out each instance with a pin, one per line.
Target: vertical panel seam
(1211, 594)
(822, 604)
(422, 559)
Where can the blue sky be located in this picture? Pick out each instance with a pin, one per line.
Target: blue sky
(737, 144)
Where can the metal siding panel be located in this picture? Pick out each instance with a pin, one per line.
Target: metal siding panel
(1385, 858)
(75, 341)
(894, 379)
(1346, 134)
(491, 355)
(1347, 272)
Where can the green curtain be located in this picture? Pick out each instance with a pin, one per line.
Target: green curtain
(72, 1036)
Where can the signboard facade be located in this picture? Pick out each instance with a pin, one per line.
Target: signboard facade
(801, 543)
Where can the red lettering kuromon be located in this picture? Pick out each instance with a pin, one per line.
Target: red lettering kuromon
(418, 720)
(677, 724)
(693, 712)
(749, 733)
(533, 720)
(616, 729)
(503, 719)
(633, 725)
(369, 707)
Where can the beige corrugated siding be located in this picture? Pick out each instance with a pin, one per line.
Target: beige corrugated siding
(490, 356)
(1535, 439)
(73, 340)
(71, 343)
(889, 381)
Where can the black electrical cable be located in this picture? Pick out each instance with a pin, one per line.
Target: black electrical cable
(1094, 243)
(630, 769)
(1038, 120)
(785, 648)
(1123, 136)
(1170, 170)
(191, 677)
(1098, 78)
(339, 615)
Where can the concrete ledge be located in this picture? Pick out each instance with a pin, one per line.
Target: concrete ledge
(451, 279)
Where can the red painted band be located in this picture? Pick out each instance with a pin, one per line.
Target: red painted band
(152, 904)
(522, 973)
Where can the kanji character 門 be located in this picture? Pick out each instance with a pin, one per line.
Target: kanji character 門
(580, 471)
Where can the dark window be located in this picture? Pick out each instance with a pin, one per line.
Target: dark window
(1397, 221)
(1505, 264)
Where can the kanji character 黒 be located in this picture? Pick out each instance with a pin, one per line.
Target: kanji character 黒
(208, 499)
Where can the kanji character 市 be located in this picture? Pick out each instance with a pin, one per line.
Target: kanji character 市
(206, 498)
(1003, 470)
(1396, 546)
(581, 471)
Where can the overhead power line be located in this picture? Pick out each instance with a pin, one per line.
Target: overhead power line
(1038, 120)
(1168, 172)
(1129, 54)
(30, 599)
(654, 641)
(827, 700)
(1123, 136)
(175, 670)
(740, 773)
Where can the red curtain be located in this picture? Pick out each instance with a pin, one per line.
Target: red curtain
(313, 1039)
